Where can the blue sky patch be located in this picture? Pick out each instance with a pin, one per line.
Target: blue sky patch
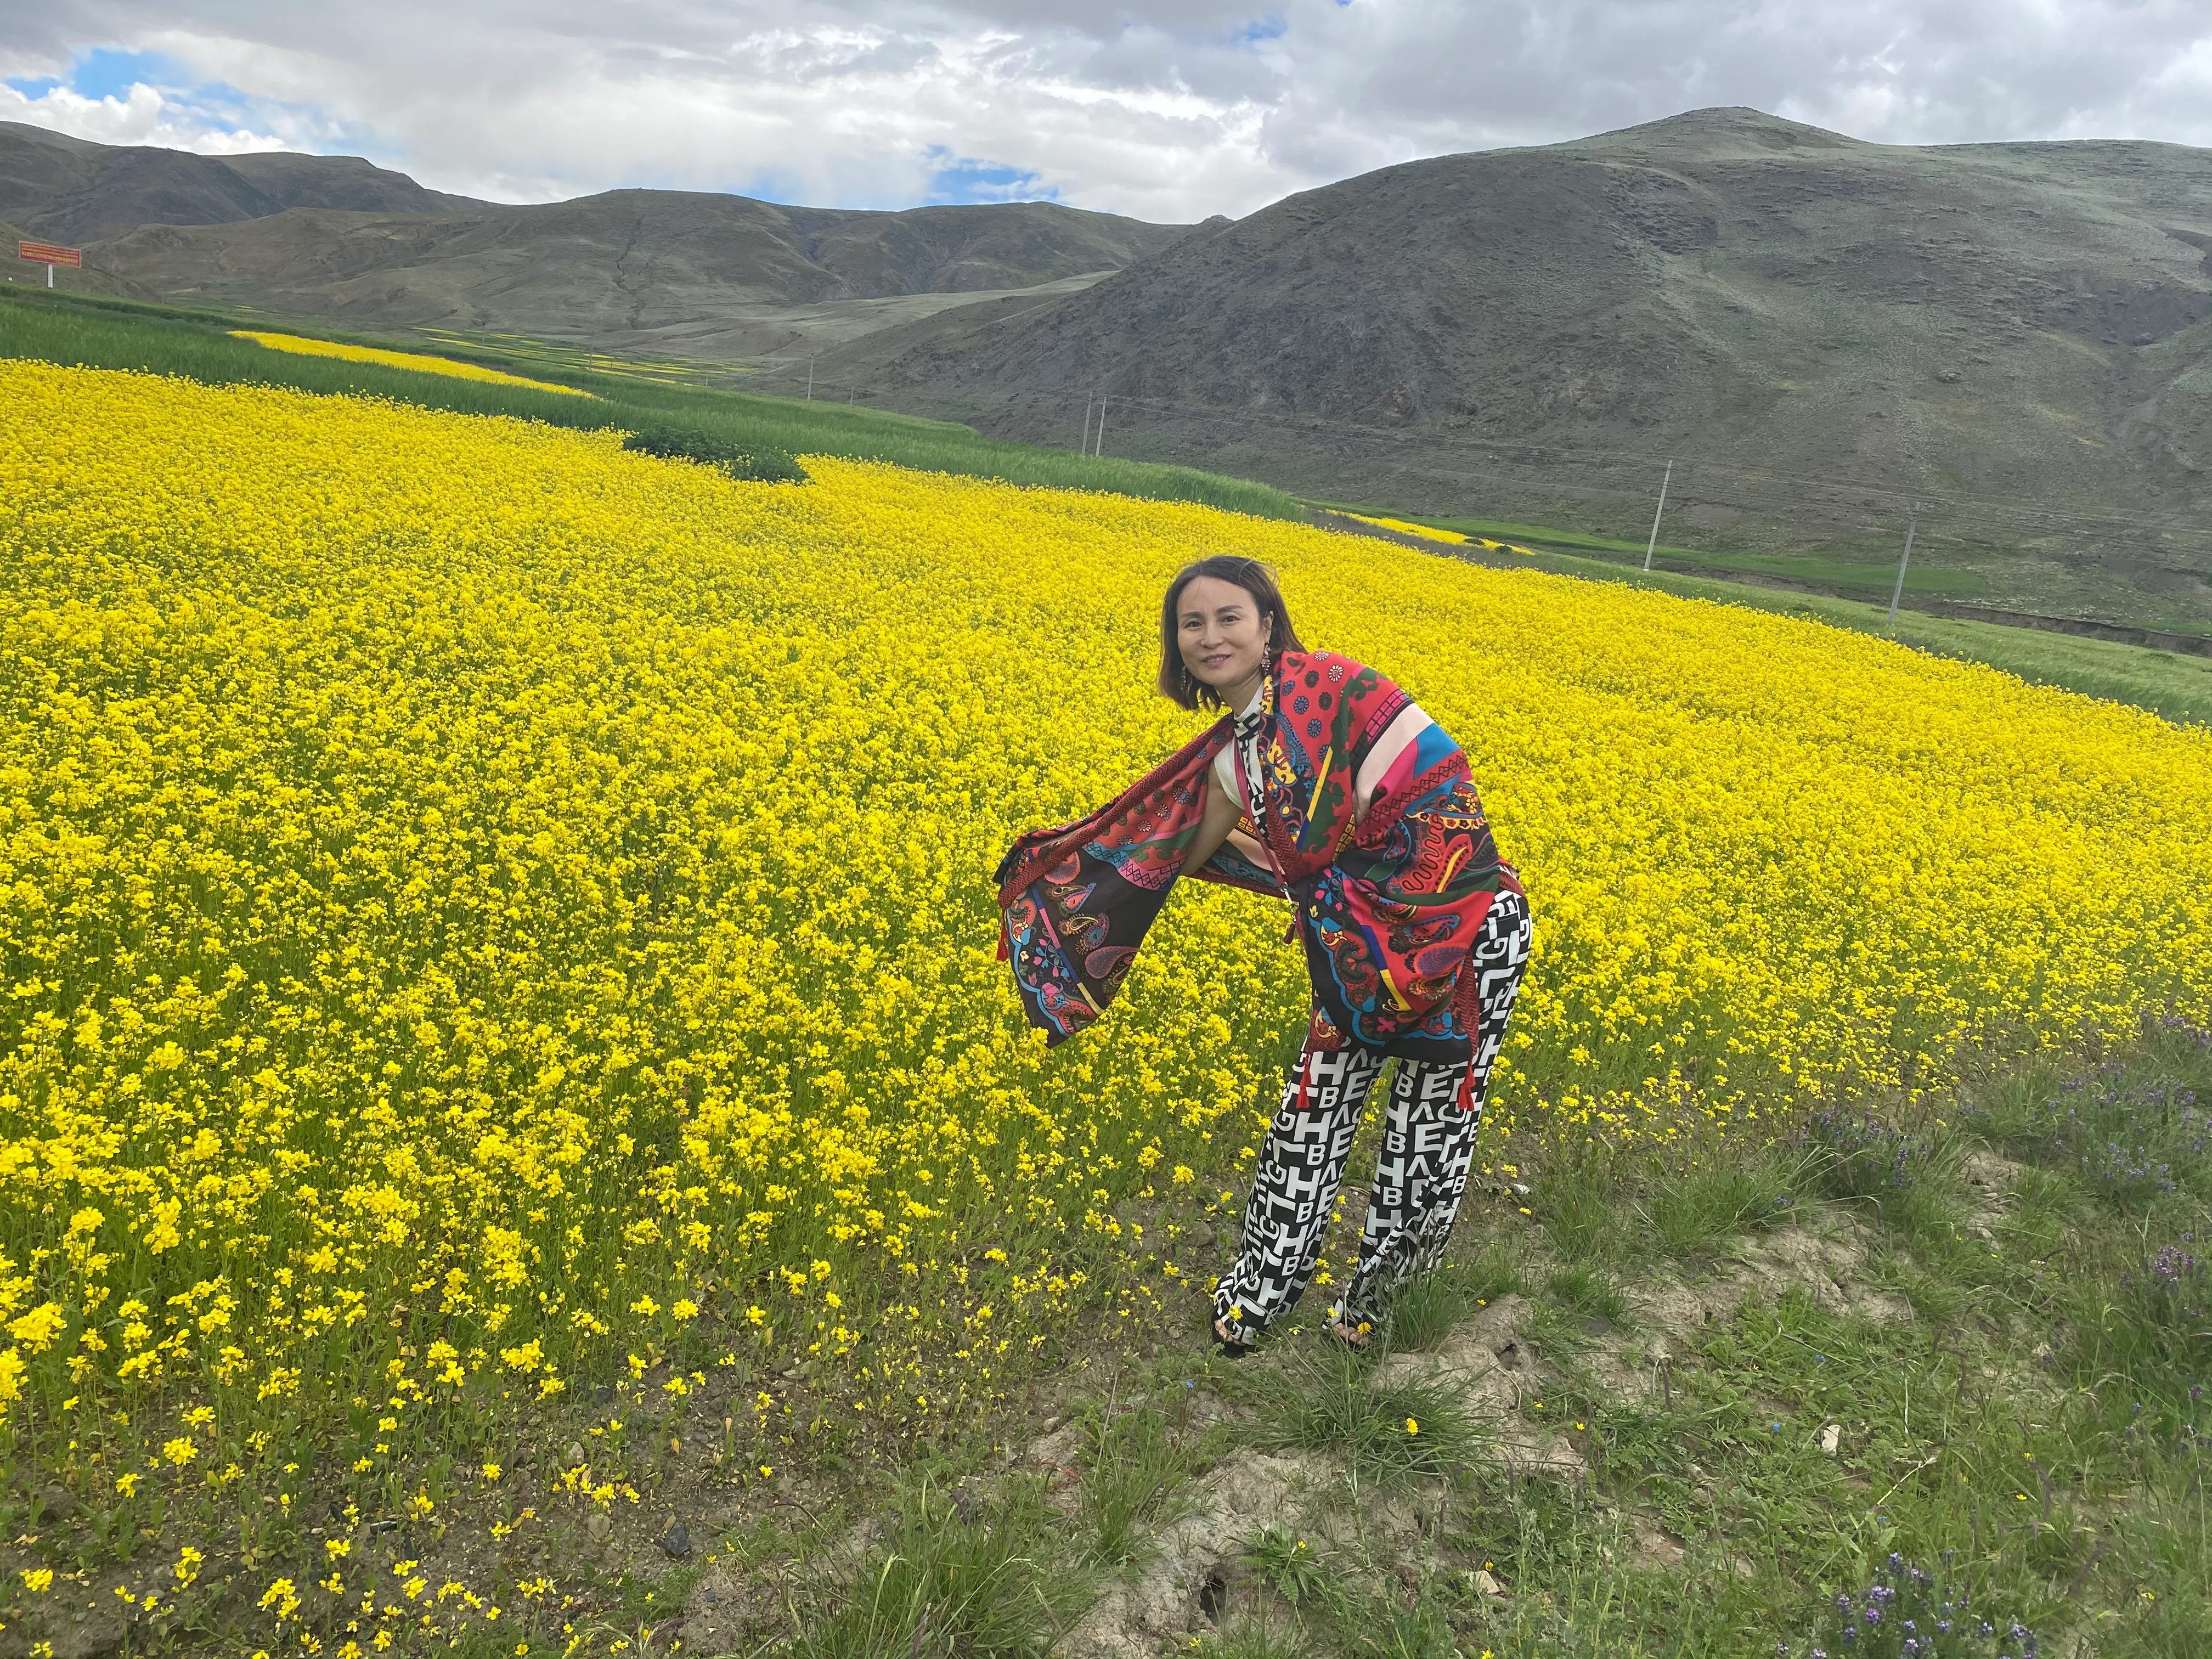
(104, 74)
(962, 182)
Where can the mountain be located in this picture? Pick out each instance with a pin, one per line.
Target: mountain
(337, 238)
(629, 262)
(1816, 330)
(57, 189)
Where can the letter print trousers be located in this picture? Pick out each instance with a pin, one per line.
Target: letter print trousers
(1420, 1168)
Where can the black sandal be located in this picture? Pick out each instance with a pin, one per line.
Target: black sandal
(1227, 1348)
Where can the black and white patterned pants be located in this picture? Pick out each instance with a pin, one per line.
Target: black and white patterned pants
(1420, 1169)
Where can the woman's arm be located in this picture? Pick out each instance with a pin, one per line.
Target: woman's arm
(1213, 829)
(1400, 736)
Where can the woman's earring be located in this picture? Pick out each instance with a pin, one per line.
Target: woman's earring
(1268, 660)
(1189, 685)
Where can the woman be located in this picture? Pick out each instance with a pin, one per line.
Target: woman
(1329, 786)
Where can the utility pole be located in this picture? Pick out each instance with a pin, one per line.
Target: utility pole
(810, 377)
(1652, 546)
(1083, 448)
(1099, 448)
(1898, 593)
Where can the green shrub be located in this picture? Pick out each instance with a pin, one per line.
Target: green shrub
(756, 465)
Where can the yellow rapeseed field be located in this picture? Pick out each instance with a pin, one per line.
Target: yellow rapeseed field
(477, 903)
(1429, 532)
(300, 345)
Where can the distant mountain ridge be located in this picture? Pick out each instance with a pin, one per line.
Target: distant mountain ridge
(335, 237)
(70, 190)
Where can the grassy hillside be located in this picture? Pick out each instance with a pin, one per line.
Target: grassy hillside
(169, 340)
(1873, 575)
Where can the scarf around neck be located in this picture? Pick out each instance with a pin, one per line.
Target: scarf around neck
(1386, 906)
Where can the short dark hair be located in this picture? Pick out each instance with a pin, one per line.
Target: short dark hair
(1255, 579)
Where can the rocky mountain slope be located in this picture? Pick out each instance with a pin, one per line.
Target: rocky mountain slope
(67, 190)
(334, 238)
(1817, 330)
(629, 263)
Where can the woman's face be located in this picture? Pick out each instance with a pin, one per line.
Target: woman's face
(1223, 632)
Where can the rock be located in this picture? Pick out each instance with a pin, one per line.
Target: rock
(602, 1393)
(575, 1454)
(56, 1503)
(598, 1525)
(1202, 1234)
(1486, 1585)
(1831, 1437)
(677, 1541)
(1520, 1188)
(1594, 1325)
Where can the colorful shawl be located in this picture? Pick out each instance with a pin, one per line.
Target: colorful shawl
(1387, 906)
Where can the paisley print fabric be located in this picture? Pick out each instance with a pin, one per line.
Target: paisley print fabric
(1388, 907)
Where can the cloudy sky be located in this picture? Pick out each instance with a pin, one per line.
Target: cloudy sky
(1167, 109)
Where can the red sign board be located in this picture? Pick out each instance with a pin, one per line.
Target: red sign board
(46, 253)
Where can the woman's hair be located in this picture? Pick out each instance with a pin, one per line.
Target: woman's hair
(1255, 578)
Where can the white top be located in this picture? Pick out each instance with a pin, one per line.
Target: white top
(1247, 739)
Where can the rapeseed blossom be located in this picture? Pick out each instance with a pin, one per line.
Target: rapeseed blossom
(303, 346)
(476, 902)
(1430, 533)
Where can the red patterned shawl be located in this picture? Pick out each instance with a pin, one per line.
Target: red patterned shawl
(1388, 907)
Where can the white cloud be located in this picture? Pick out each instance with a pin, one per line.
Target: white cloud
(142, 116)
(1167, 111)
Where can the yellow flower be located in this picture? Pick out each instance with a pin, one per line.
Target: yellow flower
(557, 885)
(301, 345)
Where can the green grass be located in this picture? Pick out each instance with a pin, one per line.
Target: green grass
(171, 340)
(1875, 574)
(1715, 1199)
(2028, 1428)
(945, 1583)
(1588, 1290)
(1383, 1433)
(1426, 1312)
(1134, 1472)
